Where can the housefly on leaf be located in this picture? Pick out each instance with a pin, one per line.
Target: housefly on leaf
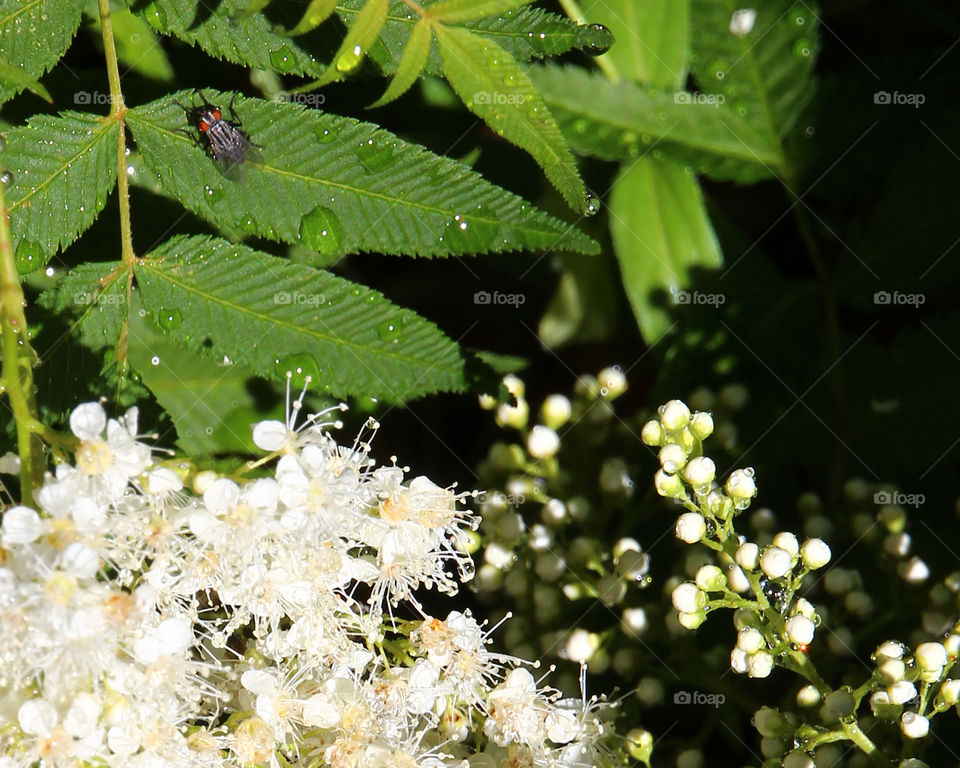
(230, 147)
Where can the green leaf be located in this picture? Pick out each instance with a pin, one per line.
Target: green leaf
(361, 35)
(96, 294)
(138, 47)
(411, 64)
(764, 72)
(459, 11)
(233, 35)
(62, 170)
(34, 34)
(341, 186)
(585, 304)
(317, 12)
(526, 33)
(272, 316)
(494, 87)
(660, 230)
(14, 79)
(209, 402)
(652, 39)
(620, 121)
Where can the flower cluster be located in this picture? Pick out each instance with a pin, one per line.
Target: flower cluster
(154, 615)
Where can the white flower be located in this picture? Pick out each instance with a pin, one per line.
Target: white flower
(742, 21)
(914, 726)
(21, 525)
(515, 712)
(775, 562)
(691, 527)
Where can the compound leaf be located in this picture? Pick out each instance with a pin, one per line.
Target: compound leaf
(411, 64)
(621, 121)
(96, 294)
(62, 170)
(760, 58)
(494, 87)
(14, 79)
(360, 37)
(317, 12)
(34, 34)
(660, 229)
(340, 186)
(459, 11)
(271, 316)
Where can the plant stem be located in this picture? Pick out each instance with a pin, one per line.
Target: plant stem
(17, 373)
(852, 731)
(118, 112)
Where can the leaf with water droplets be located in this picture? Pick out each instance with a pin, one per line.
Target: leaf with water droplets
(33, 37)
(660, 230)
(622, 121)
(751, 59)
(94, 294)
(258, 309)
(138, 47)
(496, 88)
(359, 38)
(61, 171)
(378, 193)
(652, 39)
(14, 79)
(459, 11)
(411, 63)
(241, 37)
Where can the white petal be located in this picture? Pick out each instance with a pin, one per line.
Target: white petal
(221, 496)
(175, 634)
(80, 560)
(320, 712)
(9, 464)
(82, 717)
(88, 421)
(270, 435)
(37, 717)
(124, 740)
(163, 480)
(87, 514)
(21, 525)
(258, 681)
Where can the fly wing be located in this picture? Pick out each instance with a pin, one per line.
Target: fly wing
(232, 150)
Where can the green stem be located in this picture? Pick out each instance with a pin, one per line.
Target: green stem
(852, 731)
(17, 373)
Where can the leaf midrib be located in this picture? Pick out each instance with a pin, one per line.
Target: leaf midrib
(152, 267)
(370, 193)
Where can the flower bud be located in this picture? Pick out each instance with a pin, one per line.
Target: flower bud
(775, 562)
(815, 553)
(691, 620)
(901, 692)
(741, 486)
(749, 640)
(914, 726)
(787, 542)
(613, 381)
(652, 433)
(687, 598)
(672, 457)
(800, 630)
(737, 579)
(640, 745)
(746, 556)
(691, 527)
(882, 707)
(808, 696)
(669, 485)
(759, 664)
(949, 692)
(738, 661)
(674, 415)
(798, 759)
(770, 723)
(892, 671)
(840, 703)
(710, 579)
(930, 656)
(890, 650)
(700, 471)
(701, 425)
(542, 442)
(556, 411)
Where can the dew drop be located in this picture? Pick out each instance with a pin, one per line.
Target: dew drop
(169, 319)
(601, 43)
(389, 330)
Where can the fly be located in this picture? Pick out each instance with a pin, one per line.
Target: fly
(230, 147)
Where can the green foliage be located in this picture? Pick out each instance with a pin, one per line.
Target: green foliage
(34, 34)
(271, 316)
(61, 172)
(660, 230)
(338, 186)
